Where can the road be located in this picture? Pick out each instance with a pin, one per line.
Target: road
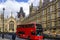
(9, 37)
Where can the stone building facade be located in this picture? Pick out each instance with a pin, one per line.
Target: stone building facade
(47, 14)
(10, 24)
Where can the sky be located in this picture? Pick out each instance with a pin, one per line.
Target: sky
(13, 6)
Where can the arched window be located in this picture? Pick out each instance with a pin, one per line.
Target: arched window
(11, 25)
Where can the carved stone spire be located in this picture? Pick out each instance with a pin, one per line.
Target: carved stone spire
(40, 3)
(11, 14)
(31, 7)
(21, 13)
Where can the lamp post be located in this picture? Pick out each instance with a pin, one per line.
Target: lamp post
(3, 23)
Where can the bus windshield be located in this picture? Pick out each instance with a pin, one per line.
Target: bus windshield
(39, 29)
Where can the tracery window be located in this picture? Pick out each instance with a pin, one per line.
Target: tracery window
(11, 25)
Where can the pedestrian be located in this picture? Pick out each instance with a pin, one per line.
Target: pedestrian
(13, 36)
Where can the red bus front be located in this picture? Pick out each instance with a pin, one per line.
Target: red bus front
(38, 34)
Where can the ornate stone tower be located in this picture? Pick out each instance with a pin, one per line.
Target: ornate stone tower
(31, 7)
(33, 10)
(40, 4)
(21, 15)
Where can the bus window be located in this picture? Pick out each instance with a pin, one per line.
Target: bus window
(25, 26)
(21, 32)
(38, 26)
(28, 25)
(18, 26)
(39, 29)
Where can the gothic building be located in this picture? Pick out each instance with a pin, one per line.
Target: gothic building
(10, 24)
(21, 15)
(47, 14)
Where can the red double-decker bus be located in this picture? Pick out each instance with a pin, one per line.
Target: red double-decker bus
(30, 31)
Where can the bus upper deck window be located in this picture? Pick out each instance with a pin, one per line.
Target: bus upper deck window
(38, 26)
(21, 32)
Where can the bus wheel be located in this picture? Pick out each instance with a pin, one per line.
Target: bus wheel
(28, 38)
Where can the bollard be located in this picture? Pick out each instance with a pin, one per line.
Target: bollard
(2, 36)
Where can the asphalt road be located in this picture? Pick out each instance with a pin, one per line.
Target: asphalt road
(9, 37)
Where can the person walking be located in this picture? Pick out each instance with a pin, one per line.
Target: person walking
(13, 36)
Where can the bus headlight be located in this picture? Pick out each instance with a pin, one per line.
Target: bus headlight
(23, 35)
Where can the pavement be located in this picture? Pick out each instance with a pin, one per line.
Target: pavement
(9, 37)
(4, 39)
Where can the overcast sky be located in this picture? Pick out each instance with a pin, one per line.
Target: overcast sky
(14, 6)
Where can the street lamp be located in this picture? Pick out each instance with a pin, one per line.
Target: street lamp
(3, 23)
